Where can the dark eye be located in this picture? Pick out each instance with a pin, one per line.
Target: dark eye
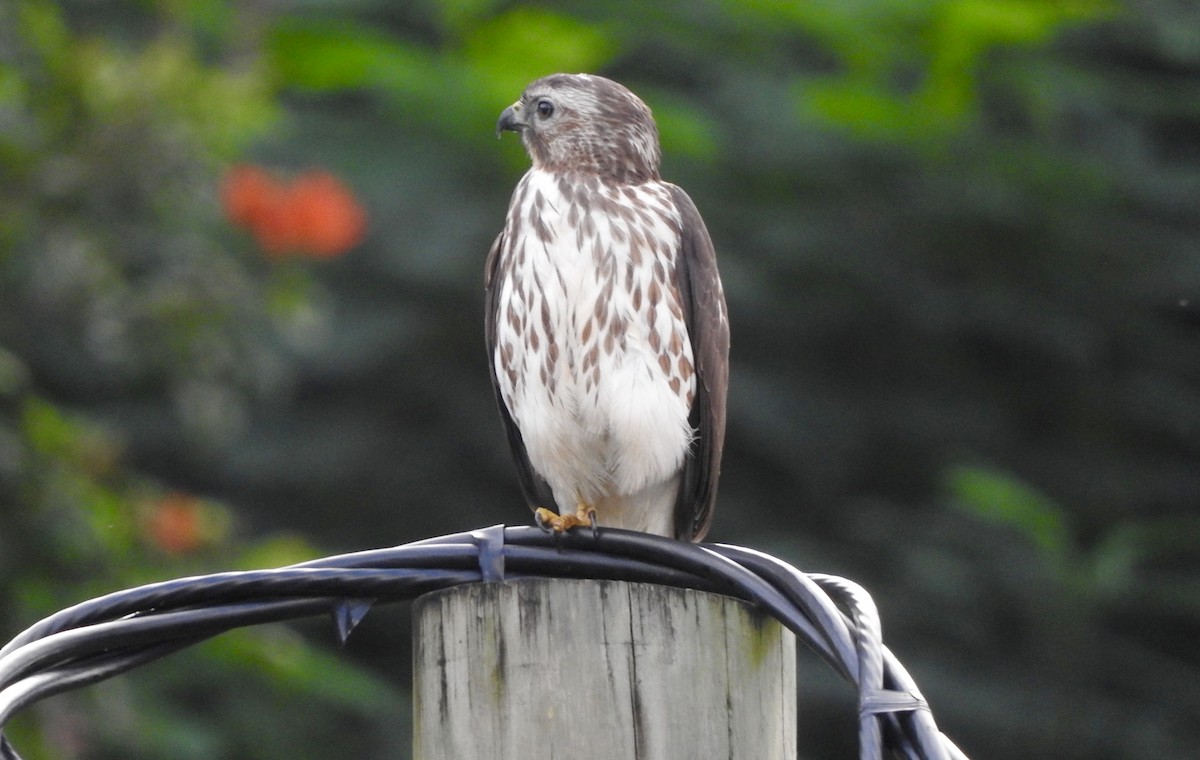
(545, 108)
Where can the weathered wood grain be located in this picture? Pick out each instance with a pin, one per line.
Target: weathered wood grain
(553, 668)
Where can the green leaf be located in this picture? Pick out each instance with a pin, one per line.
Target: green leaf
(47, 429)
(1119, 560)
(279, 550)
(292, 665)
(459, 15)
(42, 27)
(909, 70)
(330, 56)
(1003, 498)
(868, 110)
(513, 49)
(684, 130)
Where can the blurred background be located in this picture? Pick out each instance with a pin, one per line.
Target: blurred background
(241, 308)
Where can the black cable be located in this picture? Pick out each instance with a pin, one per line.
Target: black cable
(92, 670)
(102, 637)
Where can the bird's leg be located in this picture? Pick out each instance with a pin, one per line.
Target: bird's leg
(585, 514)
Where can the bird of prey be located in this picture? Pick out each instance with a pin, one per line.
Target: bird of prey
(606, 320)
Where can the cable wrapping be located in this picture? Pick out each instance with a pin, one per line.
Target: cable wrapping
(836, 618)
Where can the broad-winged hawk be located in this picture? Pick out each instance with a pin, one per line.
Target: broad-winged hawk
(606, 320)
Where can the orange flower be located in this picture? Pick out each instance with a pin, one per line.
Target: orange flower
(328, 219)
(315, 215)
(250, 195)
(173, 524)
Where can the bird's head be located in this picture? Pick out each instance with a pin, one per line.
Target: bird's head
(585, 123)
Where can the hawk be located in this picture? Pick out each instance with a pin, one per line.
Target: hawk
(606, 320)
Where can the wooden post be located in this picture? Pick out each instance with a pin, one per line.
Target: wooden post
(582, 670)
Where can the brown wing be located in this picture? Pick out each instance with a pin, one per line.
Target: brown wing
(536, 490)
(708, 327)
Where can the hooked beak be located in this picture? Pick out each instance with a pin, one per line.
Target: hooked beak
(510, 120)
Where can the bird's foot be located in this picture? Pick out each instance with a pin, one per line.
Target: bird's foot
(548, 520)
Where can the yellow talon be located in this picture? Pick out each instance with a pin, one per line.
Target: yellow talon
(584, 515)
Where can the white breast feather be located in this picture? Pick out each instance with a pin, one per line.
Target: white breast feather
(619, 445)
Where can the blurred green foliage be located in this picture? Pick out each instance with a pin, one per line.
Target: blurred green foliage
(481, 58)
(911, 69)
(959, 244)
(114, 260)
(1004, 499)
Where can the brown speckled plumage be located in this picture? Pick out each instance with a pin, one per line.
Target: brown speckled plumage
(606, 320)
